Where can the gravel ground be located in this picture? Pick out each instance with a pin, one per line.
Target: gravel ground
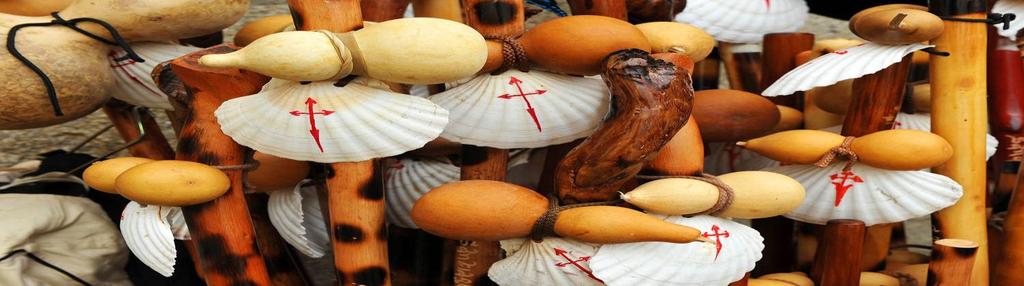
(18, 145)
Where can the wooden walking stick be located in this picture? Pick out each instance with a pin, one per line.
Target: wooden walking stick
(837, 260)
(1011, 256)
(222, 229)
(154, 145)
(959, 116)
(610, 8)
(353, 190)
(742, 65)
(780, 50)
(1006, 114)
(952, 260)
(706, 72)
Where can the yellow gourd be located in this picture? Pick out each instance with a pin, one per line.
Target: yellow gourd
(901, 149)
(101, 175)
(756, 194)
(877, 279)
(172, 183)
(676, 37)
(789, 119)
(275, 173)
(794, 146)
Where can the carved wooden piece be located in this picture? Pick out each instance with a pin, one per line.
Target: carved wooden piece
(837, 260)
(610, 8)
(952, 261)
(959, 115)
(653, 99)
(222, 228)
(779, 57)
(876, 100)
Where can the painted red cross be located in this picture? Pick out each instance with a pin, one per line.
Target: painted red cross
(575, 262)
(768, 4)
(840, 180)
(529, 107)
(718, 238)
(122, 67)
(312, 120)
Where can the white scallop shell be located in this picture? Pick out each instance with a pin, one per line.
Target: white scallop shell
(726, 157)
(362, 122)
(1010, 6)
(147, 232)
(736, 250)
(853, 62)
(133, 83)
(297, 217)
(923, 122)
(408, 179)
(523, 109)
(178, 227)
(550, 262)
(868, 194)
(744, 21)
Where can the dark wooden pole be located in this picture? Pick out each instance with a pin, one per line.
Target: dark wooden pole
(222, 228)
(742, 67)
(1006, 114)
(952, 261)
(778, 56)
(1011, 256)
(154, 145)
(609, 8)
(383, 10)
(837, 260)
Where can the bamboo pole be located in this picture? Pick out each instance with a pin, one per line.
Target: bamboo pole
(837, 260)
(222, 228)
(959, 116)
(1006, 113)
(742, 66)
(1011, 255)
(952, 260)
(608, 8)
(353, 190)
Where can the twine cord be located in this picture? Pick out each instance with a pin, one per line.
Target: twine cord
(545, 224)
(843, 150)
(512, 54)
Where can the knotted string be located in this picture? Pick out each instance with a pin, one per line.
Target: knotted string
(726, 195)
(843, 150)
(993, 18)
(57, 20)
(545, 224)
(512, 55)
(39, 260)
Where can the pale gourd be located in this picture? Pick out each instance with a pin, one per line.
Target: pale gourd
(490, 210)
(674, 37)
(756, 194)
(834, 98)
(275, 173)
(896, 25)
(902, 149)
(101, 175)
(172, 183)
(794, 146)
(877, 279)
(410, 50)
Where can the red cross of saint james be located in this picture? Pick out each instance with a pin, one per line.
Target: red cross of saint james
(312, 120)
(718, 238)
(840, 180)
(574, 262)
(529, 107)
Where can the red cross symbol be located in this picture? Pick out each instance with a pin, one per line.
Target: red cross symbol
(121, 66)
(575, 262)
(312, 120)
(529, 107)
(768, 4)
(840, 179)
(718, 238)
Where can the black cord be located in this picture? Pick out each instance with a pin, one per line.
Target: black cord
(72, 24)
(993, 18)
(47, 264)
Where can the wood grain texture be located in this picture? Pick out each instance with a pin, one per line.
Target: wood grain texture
(222, 228)
(154, 145)
(778, 57)
(495, 18)
(610, 8)
(414, 255)
(876, 100)
(1006, 119)
(742, 69)
(472, 259)
(653, 99)
(353, 191)
(383, 10)
(959, 115)
(837, 260)
(952, 260)
(1010, 255)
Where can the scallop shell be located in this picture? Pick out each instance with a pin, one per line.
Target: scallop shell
(726, 157)
(133, 83)
(356, 122)
(736, 250)
(408, 179)
(147, 230)
(178, 227)
(523, 109)
(550, 262)
(853, 62)
(1005, 7)
(744, 21)
(297, 217)
(868, 194)
(923, 122)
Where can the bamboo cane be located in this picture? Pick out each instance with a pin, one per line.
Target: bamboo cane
(1011, 255)
(742, 66)
(608, 8)
(952, 260)
(837, 260)
(222, 228)
(444, 9)
(959, 116)
(354, 193)
(1006, 112)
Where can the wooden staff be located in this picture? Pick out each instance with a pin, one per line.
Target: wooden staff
(959, 116)
(608, 8)
(1006, 112)
(282, 261)
(1011, 255)
(383, 10)
(154, 145)
(472, 259)
(353, 190)
(837, 260)
(780, 50)
(742, 66)
(444, 9)
(222, 228)
(952, 260)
